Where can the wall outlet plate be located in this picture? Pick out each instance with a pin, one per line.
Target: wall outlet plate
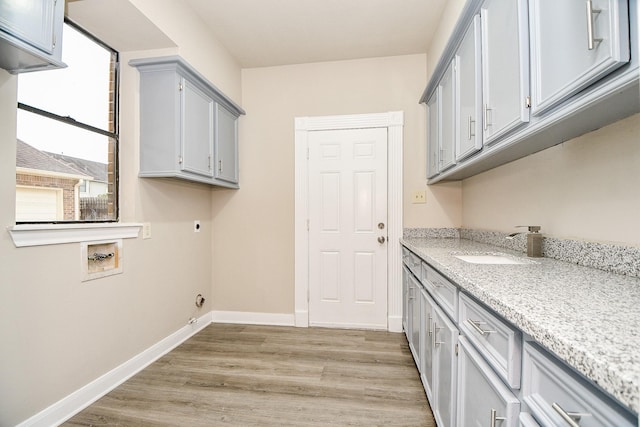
(419, 196)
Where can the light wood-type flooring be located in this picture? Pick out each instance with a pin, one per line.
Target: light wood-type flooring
(240, 375)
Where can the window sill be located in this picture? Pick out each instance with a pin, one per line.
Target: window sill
(24, 235)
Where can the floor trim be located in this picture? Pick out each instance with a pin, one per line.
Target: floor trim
(78, 400)
(252, 318)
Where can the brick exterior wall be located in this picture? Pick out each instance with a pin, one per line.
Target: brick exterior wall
(67, 185)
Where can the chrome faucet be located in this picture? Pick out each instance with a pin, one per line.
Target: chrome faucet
(534, 240)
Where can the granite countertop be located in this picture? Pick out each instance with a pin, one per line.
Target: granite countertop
(589, 318)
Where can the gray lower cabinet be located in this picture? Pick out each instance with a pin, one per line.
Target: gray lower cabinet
(483, 399)
(31, 35)
(499, 342)
(477, 369)
(414, 316)
(188, 128)
(445, 368)
(405, 299)
(426, 348)
(557, 397)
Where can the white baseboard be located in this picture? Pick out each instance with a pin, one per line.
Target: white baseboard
(78, 400)
(251, 318)
(302, 319)
(394, 323)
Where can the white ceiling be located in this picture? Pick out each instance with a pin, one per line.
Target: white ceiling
(261, 33)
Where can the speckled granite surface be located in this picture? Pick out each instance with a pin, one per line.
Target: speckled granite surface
(603, 256)
(589, 318)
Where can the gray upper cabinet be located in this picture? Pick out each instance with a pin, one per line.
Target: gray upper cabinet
(573, 46)
(226, 135)
(196, 142)
(188, 128)
(447, 119)
(550, 71)
(433, 138)
(441, 117)
(31, 35)
(469, 93)
(505, 67)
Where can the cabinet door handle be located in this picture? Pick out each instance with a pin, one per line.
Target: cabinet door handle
(430, 326)
(435, 334)
(469, 132)
(495, 417)
(220, 166)
(572, 418)
(486, 116)
(476, 325)
(590, 12)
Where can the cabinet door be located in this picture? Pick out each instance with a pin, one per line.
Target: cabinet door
(197, 130)
(483, 400)
(433, 138)
(469, 93)
(573, 46)
(414, 342)
(405, 300)
(445, 341)
(226, 145)
(426, 373)
(505, 67)
(447, 118)
(31, 21)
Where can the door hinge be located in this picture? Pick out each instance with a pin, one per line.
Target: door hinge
(180, 160)
(180, 87)
(456, 349)
(307, 225)
(307, 153)
(527, 102)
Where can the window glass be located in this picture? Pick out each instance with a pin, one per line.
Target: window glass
(66, 162)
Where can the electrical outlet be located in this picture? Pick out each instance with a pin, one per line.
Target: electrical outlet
(196, 226)
(419, 196)
(146, 230)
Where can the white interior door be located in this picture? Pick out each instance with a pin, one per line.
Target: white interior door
(347, 225)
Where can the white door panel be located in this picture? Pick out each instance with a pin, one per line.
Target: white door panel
(347, 201)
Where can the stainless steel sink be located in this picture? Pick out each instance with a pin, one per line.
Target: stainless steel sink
(492, 259)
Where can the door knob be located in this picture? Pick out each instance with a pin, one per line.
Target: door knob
(381, 225)
(381, 239)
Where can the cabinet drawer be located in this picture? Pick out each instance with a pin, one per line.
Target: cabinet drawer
(483, 399)
(553, 394)
(444, 292)
(412, 261)
(497, 341)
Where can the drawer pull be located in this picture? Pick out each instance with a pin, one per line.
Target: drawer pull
(476, 325)
(572, 418)
(495, 418)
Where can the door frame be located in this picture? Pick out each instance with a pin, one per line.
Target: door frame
(394, 123)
